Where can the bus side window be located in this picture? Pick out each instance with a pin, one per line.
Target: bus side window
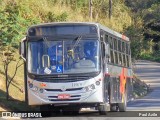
(124, 60)
(112, 55)
(111, 49)
(111, 42)
(123, 47)
(106, 39)
(103, 49)
(116, 57)
(120, 59)
(115, 44)
(119, 46)
(128, 62)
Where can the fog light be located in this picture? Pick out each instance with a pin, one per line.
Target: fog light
(97, 83)
(35, 88)
(41, 90)
(86, 89)
(92, 86)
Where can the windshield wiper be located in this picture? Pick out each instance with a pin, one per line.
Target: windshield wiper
(77, 41)
(46, 42)
(71, 51)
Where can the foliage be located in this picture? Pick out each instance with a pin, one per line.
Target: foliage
(135, 33)
(51, 17)
(17, 15)
(8, 40)
(148, 10)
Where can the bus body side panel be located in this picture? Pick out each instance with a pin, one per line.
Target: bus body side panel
(118, 82)
(129, 88)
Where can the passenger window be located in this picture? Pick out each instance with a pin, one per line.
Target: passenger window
(124, 60)
(115, 44)
(120, 59)
(106, 38)
(119, 46)
(128, 62)
(112, 56)
(111, 42)
(116, 57)
(123, 47)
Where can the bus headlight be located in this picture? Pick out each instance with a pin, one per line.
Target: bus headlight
(41, 90)
(89, 88)
(97, 82)
(92, 86)
(35, 88)
(30, 85)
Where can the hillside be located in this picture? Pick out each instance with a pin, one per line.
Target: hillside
(145, 32)
(39, 11)
(17, 15)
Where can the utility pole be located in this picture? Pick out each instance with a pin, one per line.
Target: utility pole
(90, 9)
(110, 9)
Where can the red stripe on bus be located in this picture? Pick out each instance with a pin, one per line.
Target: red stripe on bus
(123, 37)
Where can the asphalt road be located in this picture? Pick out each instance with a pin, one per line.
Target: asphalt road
(148, 72)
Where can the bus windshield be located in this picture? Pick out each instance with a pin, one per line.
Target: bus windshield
(63, 56)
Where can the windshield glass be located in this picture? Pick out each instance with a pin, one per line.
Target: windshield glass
(63, 56)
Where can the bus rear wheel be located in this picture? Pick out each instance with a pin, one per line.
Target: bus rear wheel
(113, 107)
(103, 109)
(123, 106)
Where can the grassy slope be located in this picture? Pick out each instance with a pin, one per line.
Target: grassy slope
(121, 16)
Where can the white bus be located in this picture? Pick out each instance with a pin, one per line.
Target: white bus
(73, 65)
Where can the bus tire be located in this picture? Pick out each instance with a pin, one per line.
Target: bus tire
(123, 106)
(103, 109)
(113, 107)
(45, 110)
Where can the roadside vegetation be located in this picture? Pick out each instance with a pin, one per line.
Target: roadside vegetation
(140, 88)
(139, 21)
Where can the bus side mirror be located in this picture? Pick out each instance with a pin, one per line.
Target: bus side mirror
(22, 48)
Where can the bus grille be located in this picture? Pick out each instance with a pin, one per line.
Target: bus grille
(59, 90)
(62, 78)
(64, 99)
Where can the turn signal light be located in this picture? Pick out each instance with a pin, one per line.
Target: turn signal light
(43, 85)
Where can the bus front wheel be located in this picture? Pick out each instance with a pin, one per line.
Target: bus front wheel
(45, 110)
(71, 110)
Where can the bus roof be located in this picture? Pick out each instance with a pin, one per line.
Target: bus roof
(85, 23)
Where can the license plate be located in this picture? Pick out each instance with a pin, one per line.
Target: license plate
(63, 96)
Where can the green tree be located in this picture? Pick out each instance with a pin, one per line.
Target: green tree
(135, 33)
(9, 32)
